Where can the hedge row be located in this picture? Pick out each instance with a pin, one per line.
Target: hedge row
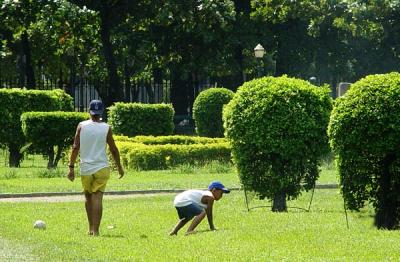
(177, 140)
(16, 101)
(131, 119)
(155, 157)
(46, 130)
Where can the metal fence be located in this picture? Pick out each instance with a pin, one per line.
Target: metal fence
(85, 89)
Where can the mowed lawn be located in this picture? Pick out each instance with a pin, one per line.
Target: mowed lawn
(138, 231)
(33, 176)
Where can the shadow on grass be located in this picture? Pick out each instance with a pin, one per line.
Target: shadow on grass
(202, 231)
(112, 236)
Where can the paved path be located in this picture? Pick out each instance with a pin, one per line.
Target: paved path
(70, 198)
(78, 196)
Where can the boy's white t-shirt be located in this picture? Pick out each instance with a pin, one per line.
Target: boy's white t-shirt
(93, 145)
(192, 196)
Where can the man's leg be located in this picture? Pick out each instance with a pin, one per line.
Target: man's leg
(89, 208)
(178, 226)
(196, 221)
(97, 211)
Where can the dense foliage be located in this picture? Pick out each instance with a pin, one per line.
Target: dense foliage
(277, 128)
(131, 119)
(17, 101)
(365, 136)
(195, 42)
(51, 133)
(177, 140)
(163, 152)
(207, 111)
(151, 157)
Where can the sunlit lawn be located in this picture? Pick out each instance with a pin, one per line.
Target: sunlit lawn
(141, 226)
(32, 176)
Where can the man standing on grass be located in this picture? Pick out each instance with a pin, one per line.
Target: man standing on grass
(91, 139)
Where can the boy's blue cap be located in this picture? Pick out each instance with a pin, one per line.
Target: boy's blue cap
(218, 185)
(96, 107)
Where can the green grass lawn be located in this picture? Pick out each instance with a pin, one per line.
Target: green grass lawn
(141, 227)
(33, 176)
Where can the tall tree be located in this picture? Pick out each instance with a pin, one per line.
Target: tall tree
(374, 36)
(111, 14)
(20, 17)
(191, 39)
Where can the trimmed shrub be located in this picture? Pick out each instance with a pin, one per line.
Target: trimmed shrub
(277, 129)
(153, 157)
(364, 132)
(177, 140)
(17, 101)
(131, 119)
(207, 111)
(47, 130)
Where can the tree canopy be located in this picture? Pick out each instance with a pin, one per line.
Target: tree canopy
(196, 41)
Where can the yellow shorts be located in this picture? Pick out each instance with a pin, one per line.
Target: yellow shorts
(96, 182)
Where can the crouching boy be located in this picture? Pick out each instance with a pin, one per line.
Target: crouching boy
(197, 204)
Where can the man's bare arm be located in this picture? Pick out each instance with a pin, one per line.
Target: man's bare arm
(115, 152)
(74, 154)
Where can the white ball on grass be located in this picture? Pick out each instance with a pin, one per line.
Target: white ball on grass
(39, 224)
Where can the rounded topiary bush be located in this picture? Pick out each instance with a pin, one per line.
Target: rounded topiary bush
(277, 128)
(364, 132)
(207, 111)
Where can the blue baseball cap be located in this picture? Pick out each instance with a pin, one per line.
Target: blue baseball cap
(218, 185)
(96, 107)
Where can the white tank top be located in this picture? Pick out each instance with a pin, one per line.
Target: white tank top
(93, 144)
(192, 196)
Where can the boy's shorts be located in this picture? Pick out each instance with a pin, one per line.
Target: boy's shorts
(189, 211)
(96, 182)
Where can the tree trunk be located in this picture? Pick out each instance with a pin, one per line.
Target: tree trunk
(114, 89)
(60, 79)
(58, 156)
(179, 96)
(15, 156)
(243, 9)
(150, 92)
(280, 68)
(158, 83)
(334, 86)
(279, 202)
(50, 154)
(386, 211)
(70, 86)
(192, 92)
(128, 85)
(239, 76)
(29, 73)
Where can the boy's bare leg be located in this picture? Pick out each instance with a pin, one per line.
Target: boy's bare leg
(196, 221)
(178, 226)
(97, 211)
(88, 207)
